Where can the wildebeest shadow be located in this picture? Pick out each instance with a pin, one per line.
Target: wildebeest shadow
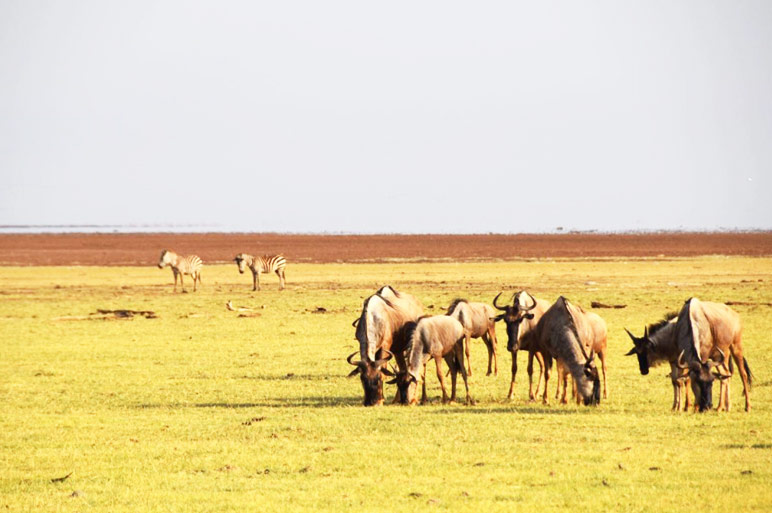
(269, 402)
(290, 376)
(511, 410)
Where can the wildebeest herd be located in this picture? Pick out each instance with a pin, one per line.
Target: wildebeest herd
(702, 343)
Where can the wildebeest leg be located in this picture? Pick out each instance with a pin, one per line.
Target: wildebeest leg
(514, 373)
(602, 356)
(467, 340)
(494, 344)
(450, 359)
(174, 272)
(489, 347)
(460, 356)
(547, 371)
(401, 368)
(676, 395)
(539, 358)
(737, 353)
(566, 376)
(423, 385)
(254, 280)
(686, 385)
(441, 378)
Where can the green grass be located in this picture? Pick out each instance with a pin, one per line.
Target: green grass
(157, 414)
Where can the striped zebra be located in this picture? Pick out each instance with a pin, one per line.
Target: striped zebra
(262, 264)
(181, 265)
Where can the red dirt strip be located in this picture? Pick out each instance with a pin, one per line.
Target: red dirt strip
(144, 249)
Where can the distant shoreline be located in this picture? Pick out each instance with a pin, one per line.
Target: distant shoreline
(94, 229)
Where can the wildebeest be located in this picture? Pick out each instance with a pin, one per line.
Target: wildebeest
(437, 337)
(567, 333)
(705, 333)
(478, 320)
(658, 344)
(381, 331)
(521, 318)
(599, 342)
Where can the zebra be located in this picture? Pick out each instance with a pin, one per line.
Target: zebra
(181, 265)
(262, 264)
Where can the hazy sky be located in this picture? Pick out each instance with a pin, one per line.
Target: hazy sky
(387, 116)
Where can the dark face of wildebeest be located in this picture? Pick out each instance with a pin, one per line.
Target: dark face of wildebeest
(513, 316)
(371, 374)
(641, 347)
(406, 386)
(702, 375)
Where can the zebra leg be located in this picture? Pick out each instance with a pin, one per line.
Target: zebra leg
(280, 274)
(195, 279)
(257, 279)
(174, 272)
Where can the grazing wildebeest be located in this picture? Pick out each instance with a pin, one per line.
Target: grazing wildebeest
(438, 337)
(658, 344)
(599, 344)
(521, 318)
(478, 320)
(403, 301)
(705, 332)
(382, 331)
(567, 333)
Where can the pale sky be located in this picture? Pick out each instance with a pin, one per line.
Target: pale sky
(468, 117)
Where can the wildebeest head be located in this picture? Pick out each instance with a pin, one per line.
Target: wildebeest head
(407, 384)
(702, 374)
(513, 317)
(641, 348)
(591, 373)
(371, 374)
(240, 261)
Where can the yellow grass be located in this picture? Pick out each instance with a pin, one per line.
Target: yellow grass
(203, 410)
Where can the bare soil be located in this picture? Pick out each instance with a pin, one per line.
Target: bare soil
(144, 249)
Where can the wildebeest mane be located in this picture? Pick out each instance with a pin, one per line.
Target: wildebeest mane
(655, 327)
(455, 303)
(572, 324)
(380, 290)
(361, 326)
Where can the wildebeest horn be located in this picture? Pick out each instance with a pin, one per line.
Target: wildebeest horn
(497, 306)
(681, 364)
(350, 357)
(592, 356)
(631, 335)
(388, 353)
(532, 306)
(356, 321)
(718, 362)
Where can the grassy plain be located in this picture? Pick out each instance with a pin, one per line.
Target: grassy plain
(203, 410)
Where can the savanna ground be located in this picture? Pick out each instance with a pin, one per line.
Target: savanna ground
(200, 409)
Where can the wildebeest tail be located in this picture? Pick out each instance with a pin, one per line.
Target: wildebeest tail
(748, 371)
